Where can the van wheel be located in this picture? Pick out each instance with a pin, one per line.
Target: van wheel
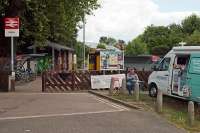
(153, 90)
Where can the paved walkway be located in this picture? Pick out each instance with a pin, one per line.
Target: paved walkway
(30, 87)
(74, 113)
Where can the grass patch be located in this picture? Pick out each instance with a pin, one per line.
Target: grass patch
(174, 110)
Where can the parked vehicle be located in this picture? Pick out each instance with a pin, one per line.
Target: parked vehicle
(178, 74)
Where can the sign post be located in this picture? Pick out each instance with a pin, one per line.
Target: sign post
(12, 30)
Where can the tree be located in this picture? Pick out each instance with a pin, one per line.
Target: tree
(41, 20)
(9, 8)
(79, 53)
(176, 34)
(194, 39)
(160, 39)
(160, 50)
(101, 46)
(107, 40)
(155, 36)
(190, 24)
(136, 47)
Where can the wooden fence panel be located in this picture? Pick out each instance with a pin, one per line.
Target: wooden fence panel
(76, 81)
(64, 82)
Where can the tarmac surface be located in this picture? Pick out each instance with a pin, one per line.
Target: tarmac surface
(74, 113)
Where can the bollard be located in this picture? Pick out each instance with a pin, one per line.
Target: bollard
(111, 86)
(11, 84)
(159, 103)
(123, 89)
(191, 113)
(137, 91)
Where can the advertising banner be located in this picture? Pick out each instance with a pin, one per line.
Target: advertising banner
(111, 60)
(103, 81)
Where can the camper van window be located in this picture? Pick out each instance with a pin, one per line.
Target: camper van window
(164, 65)
(182, 63)
(195, 66)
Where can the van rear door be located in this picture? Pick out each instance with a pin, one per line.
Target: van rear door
(194, 77)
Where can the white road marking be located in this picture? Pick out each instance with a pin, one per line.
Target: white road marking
(110, 103)
(57, 115)
(117, 108)
(35, 93)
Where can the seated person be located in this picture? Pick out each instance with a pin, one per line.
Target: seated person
(131, 79)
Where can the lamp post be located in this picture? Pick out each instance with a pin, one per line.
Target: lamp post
(84, 42)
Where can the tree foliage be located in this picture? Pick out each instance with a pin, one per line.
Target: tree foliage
(101, 46)
(107, 40)
(190, 24)
(160, 39)
(194, 39)
(54, 20)
(136, 47)
(155, 36)
(79, 48)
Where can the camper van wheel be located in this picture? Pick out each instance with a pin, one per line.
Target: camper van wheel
(153, 90)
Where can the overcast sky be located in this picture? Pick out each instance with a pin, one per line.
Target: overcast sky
(126, 19)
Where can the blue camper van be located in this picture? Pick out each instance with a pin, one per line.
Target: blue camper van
(178, 74)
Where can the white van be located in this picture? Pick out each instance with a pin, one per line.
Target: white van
(178, 74)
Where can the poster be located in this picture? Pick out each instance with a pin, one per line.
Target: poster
(103, 81)
(195, 66)
(111, 60)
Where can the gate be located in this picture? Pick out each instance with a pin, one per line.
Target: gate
(65, 82)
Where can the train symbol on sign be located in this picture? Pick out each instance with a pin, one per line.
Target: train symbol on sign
(11, 23)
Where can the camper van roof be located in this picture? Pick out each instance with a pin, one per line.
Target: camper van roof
(186, 48)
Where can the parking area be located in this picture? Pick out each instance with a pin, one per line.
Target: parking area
(22, 105)
(74, 113)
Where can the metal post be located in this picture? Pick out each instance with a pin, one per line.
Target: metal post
(123, 89)
(65, 60)
(159, 104)
(60, 60)
(12, 57)
(84, 42)
(191, 113)
(137, 91)
(53, 58)
(111, 86)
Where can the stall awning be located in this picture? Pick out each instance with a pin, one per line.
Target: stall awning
(55, 46)
(58, 46)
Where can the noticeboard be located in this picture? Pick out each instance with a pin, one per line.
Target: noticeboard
(111, 60)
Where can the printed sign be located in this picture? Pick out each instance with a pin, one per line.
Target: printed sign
(11, 27)
(195, 65)
(111, 60)
(103, 81)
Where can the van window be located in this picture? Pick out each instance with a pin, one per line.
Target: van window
(181, 62)
(164, 65)
(195, 65)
